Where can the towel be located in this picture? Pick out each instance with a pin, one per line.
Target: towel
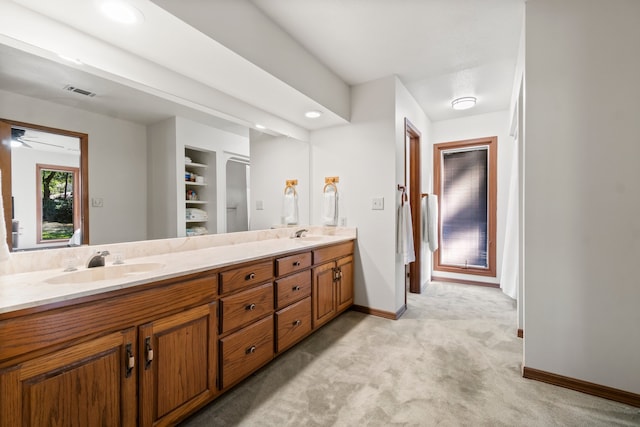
(290, 208)
(196, 214)
(329, 208)
(405, 234)
(430, 222)
(4, 249)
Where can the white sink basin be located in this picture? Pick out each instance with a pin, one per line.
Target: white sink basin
(104, 273)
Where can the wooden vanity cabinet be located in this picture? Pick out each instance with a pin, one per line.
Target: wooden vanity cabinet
(332, 282)
(92, 383)
(293, 299)
(246, 320)
(177, 364)
(84, 363)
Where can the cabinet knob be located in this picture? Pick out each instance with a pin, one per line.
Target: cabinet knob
(296, 264)
(250, 350)
(295, 288)
(250, 307)
(297, 323)
(250, 276)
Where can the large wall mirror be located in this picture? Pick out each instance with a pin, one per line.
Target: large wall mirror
(134, 155)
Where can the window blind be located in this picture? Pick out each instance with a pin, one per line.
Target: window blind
(464, 208)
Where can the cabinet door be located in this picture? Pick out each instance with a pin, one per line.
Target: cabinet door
(323, 296)
(88, 384)
(177, 364)
(345, 283)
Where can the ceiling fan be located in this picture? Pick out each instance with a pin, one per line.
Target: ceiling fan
(18, 139)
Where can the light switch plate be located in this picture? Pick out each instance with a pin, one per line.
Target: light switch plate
(377, 203)
(97, 202)
(259, 205)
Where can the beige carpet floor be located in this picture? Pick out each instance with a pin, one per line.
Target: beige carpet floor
(453, 359)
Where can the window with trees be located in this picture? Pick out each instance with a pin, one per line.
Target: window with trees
(59, 210)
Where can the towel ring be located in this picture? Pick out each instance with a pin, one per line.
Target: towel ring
(330, 182)
(291, 184)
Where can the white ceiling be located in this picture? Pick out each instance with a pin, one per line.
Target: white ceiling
(440, 49)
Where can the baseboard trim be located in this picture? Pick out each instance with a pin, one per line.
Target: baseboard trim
(465, 282)
(583, 386)
(520, 333)
(380, 313)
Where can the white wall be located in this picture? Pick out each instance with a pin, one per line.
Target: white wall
(407, 107)
(582, 212)
(274, 160)
(117, 163)
(478, 126)
(361, 155)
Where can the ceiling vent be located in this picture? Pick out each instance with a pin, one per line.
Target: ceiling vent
(80, 91)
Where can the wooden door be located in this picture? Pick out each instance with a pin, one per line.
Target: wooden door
(324, 300)
(89, 384)
(178, 364)
(345, 283)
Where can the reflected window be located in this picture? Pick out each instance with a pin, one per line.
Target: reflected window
(59, 210)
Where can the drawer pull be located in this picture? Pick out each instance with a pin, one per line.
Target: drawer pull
(250, 307)
(297, 323)
(250, 350)
(149, 351)
(296, 264)
(250, 276)
(295, 288)
(130, 361)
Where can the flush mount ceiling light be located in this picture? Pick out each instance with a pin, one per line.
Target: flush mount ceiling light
(463, 103)
(121, 12)
(313, 114)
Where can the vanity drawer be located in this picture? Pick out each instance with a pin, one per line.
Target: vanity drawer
(293, 263)
(246, 276)
(293, 323)
(243, 308)
(332, 252)
(245, 351)
(293, 288)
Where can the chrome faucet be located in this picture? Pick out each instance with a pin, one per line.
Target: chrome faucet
(97, 259)
(298, 233)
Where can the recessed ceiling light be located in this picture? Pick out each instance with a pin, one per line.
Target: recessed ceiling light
(463, 103)
(121, 12)
(259, 126)
(70, 59)
(313, 114)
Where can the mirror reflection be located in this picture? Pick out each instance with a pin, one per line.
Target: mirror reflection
(138, 159)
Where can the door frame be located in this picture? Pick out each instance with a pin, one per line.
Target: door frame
(413, 184)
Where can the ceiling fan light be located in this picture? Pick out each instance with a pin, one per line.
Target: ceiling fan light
(463, 103)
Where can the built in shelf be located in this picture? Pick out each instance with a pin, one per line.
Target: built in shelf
(195, 165)
(197, 184)
(196, 202)
(196, 220)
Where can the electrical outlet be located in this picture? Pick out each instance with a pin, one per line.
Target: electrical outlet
(97, 202)
(377, 203)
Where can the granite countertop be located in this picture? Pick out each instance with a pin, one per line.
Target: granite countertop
(31, 289)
